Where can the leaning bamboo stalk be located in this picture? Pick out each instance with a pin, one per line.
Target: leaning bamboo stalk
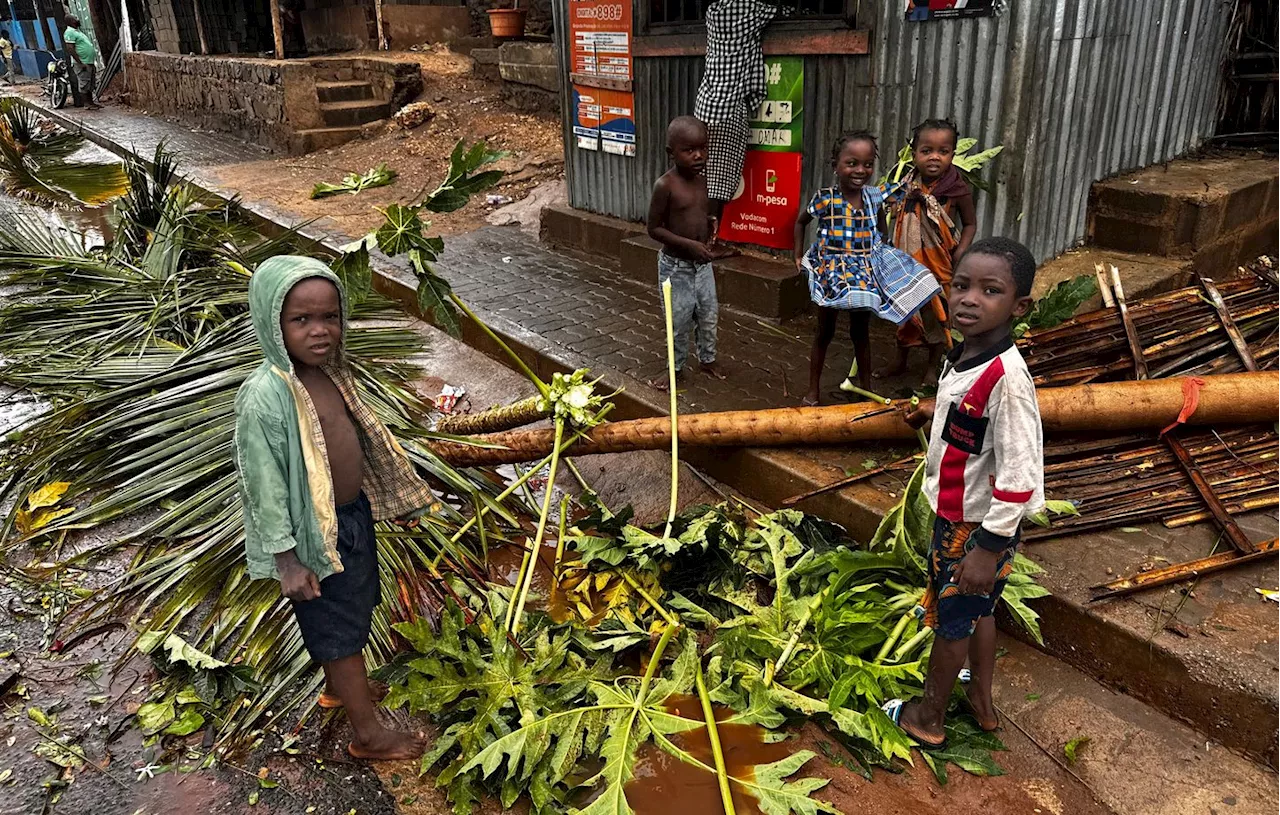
(495, 419)
(1111, 407)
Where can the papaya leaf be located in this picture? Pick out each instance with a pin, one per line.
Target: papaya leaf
(1062, 301)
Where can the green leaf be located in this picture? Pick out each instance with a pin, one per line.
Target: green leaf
(777, 796)
(433, 296)
(187, 722)
(1033, 697)
(354, 269)
(352, 183)
(155, 716)
(1062, 301)
(1072, 748)
(401, 231)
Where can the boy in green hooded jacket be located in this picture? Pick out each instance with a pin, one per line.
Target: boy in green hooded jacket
(316, 468)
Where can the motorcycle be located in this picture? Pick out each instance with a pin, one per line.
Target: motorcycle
(57, 85)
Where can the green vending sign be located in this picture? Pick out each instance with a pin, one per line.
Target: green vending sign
(777, 126)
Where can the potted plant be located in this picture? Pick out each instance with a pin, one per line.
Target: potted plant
(507, 23)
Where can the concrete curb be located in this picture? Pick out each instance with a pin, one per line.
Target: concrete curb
(1071, 630)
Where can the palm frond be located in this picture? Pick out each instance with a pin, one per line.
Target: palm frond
(140, 351)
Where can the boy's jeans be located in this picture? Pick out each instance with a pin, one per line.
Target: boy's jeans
(693, 303)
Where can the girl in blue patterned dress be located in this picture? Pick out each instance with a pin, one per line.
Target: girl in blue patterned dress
(849, 266)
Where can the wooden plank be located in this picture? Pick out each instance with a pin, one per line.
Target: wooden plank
(1181, 571)
(1239, 541)
(1104, 287)
(1229, 324)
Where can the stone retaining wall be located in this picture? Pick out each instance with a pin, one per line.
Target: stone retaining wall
(263, 101)
(260, 101)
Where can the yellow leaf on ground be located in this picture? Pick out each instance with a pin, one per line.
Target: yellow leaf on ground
(29, 523)
(48, 495)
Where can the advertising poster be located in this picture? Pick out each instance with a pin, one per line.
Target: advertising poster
(920, 10)
(777, 126)
(601, 35)
(600, 72)
(604, 120)
(769, 198)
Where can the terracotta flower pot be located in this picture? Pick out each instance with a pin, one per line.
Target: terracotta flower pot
(507, 22)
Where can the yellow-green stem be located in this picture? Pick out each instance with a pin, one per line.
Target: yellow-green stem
(924, 441)
(709, 714)
(874, 397)
(515, 590)
(518, 483)
(662, 612)
(894, 636)
(790, 647)
(653, 664)
(542, 528)
(564, 518)
(909, 647)
(512, 355)
(675, 425)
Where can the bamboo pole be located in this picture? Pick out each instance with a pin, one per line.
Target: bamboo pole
(1240, 398)
(204, 42)
(277, 28)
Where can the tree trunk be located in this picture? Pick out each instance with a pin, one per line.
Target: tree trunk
(493, 420)
(1108, 407)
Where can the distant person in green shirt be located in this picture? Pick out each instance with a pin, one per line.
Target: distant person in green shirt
(6, 56)
(84, 68)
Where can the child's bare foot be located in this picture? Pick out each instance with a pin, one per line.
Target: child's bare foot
(984, 710)
(896, 368)
(387, 745)
(713, 369)
(662, 383)
(929, 737)
(931, 377)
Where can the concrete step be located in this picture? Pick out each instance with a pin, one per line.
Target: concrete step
(354, 114)
(1137, 761)
(322, 138)
(1212, 211)
(354, 91)
(1142, 275)
(756, 286)
(566, 227)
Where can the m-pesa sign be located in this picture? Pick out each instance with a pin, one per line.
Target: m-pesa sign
(764, 210)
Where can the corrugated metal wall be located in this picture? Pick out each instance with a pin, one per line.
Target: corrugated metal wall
(1076, 90)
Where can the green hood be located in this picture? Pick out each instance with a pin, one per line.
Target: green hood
(268, 287)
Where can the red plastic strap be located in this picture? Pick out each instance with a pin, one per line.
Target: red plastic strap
(1191, 386)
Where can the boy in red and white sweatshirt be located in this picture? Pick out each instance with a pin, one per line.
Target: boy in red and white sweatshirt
(984, 472)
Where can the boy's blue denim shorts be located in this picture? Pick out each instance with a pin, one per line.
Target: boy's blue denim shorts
(952, 615)
(336, 624)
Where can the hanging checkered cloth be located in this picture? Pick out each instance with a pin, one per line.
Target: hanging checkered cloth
(733, 86)
(850, 267)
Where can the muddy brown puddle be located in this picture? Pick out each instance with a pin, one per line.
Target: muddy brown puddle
(665, 785)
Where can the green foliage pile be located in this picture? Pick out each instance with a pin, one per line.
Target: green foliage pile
(789, 619)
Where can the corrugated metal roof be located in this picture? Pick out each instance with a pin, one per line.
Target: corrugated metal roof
(1075, 90)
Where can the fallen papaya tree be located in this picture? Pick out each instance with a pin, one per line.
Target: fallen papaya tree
(1109, 407)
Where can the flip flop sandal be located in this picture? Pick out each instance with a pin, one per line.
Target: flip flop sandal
(808, 403)
(893, 709)
(330, 701)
